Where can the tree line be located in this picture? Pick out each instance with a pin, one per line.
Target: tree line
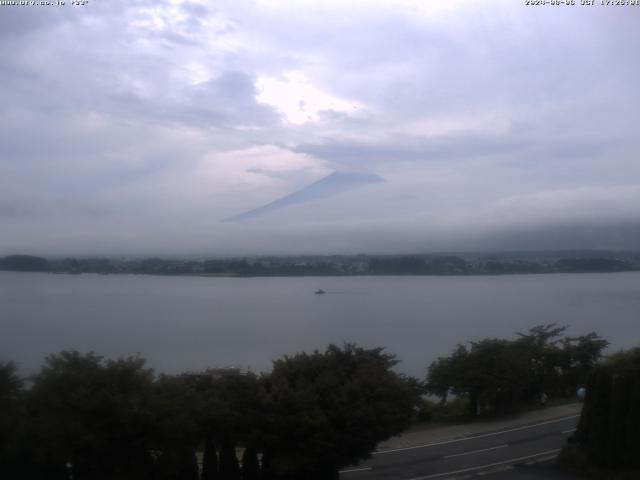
(85, 417)
(330, 265)
(498, 374)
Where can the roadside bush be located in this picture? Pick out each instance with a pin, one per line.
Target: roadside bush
(452, 410)
(606, 440)
(425, 411)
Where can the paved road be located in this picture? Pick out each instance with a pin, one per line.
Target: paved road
(495, 451)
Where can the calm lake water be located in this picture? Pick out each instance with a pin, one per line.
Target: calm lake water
(190, 323)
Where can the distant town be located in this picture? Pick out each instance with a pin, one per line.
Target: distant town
(312, 265)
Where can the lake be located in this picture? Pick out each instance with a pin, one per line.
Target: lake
(190, 323)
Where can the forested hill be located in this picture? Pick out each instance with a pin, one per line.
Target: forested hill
(442, 264)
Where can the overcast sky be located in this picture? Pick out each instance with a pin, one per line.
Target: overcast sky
(135, 127)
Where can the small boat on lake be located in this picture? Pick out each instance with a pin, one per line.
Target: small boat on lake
(320, 292)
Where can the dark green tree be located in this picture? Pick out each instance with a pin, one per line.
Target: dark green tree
(330, 409)
(541, 344)
(176, 406)
(446, 374)
(12, 435)
(229, 465)
(266, 466)
(607, 433)
(250, 465)
(91, 416)
(189, 464)
(492, 373)
(495, 374)
(209, 461)
(233, 407)
(24, 263)
(580, 356)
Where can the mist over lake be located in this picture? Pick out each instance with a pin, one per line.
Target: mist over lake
(191, 323)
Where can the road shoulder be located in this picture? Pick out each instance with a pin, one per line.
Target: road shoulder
(442, 433)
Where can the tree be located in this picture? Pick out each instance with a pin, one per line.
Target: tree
(24, 263)
(328, 410)
(581, 355)
(91, 416)
(546, 358)
(250, 465)
(489, 373)
(229, 465)
(495, 374)
(607, 432)
(12, 438)
(209, 461)
(559, 365)
(445, 373)
(229, 414)
(176, 408)
(233, 407)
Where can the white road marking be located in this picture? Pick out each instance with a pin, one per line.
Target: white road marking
(481, 467)
(541, 459)
(493, 471)
(485, 435)
(351, 470)
(475, 451)
(564, 432)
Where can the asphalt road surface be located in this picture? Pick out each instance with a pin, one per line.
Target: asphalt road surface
(484, 453)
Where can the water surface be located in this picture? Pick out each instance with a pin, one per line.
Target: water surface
(190, 323)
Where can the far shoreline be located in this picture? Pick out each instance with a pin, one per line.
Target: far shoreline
(445, 264)
(327, 275)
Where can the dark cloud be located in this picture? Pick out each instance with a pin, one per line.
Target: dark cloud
(17, 209)
(229, 99)
(461, 147)
(268, 173)
(570, 235)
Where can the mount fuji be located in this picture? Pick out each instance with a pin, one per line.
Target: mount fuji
(333, 184)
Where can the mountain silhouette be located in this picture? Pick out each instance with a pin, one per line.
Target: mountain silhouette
(333, 184)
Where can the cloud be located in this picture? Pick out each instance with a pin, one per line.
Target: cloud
(17, 208)
(132, 126)
(299, 101)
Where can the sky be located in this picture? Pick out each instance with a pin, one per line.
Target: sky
(137, 127)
